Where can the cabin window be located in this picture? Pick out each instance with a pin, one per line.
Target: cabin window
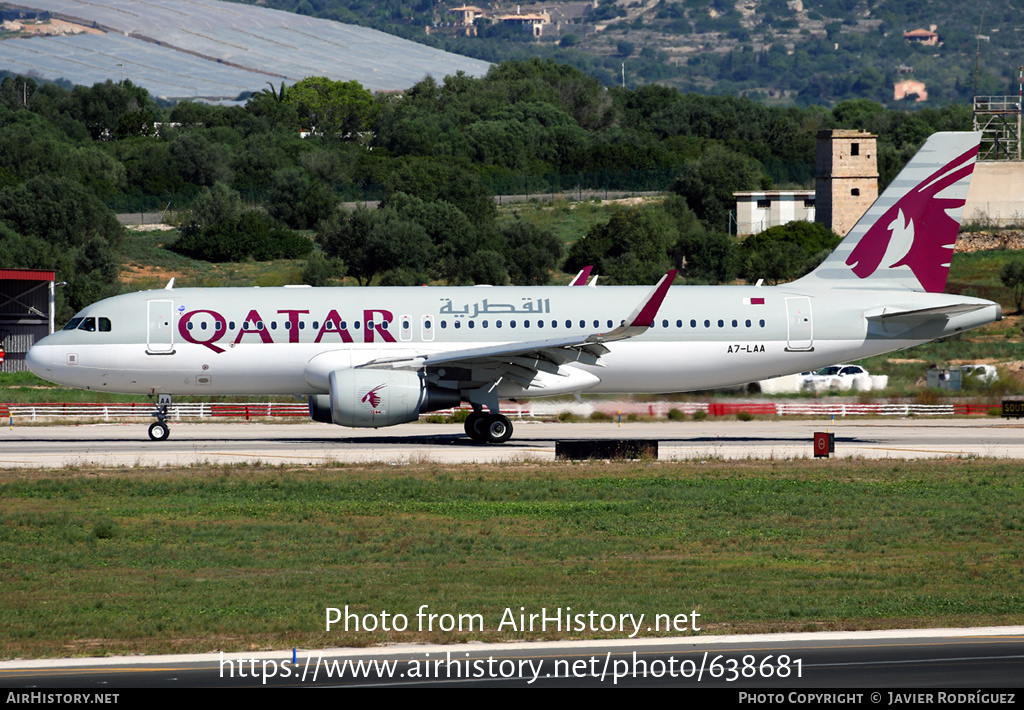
(664, 324)
(707, 323)
(540, 323)
(472, 324)
(526, 324)
(497, 324)
(735, 323)
(762, 322)
(511, 324)
(458, 324)
(748, 322)
(693, 323)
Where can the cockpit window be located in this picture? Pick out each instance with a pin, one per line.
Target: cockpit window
(73, 324)
(88, 324)
(104, 325)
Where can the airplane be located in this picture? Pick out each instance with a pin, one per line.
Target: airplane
(377, 357)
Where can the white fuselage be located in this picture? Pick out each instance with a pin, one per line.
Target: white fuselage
(258, 341)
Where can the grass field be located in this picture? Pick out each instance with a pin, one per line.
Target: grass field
(241, 558)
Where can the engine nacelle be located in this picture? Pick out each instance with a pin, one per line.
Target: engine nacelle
(378, 398)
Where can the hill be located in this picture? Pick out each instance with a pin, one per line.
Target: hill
(800, 51)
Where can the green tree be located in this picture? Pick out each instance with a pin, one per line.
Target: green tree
(1012, 277)
(632, 248)
(198, 160)
(321, 271)
(454, 237)
(299, 200)
(708, 183)
(531, 253)
(253, 235)
(330, 107)
(373, 242)
(103, 107)
(786, 252)
(54, 223)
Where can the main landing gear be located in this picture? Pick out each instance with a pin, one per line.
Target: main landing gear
(488, 428)
(158, 430)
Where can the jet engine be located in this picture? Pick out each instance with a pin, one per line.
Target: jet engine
(378, 398)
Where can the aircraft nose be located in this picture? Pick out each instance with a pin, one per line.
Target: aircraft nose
(39, 359)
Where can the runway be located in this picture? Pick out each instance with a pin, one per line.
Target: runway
(862, 661)
(127, 444)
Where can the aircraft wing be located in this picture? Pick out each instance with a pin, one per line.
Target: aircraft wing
(521, 360)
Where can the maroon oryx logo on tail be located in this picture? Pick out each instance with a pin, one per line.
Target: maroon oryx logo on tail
(917, 229)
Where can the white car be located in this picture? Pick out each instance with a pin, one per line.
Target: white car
(981, 373)
(838, 377)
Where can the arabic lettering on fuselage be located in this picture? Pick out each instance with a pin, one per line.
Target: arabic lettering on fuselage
(530, 306)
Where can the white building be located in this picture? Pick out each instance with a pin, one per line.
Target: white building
(757, 211)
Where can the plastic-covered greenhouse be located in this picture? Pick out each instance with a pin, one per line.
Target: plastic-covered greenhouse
(217, 50)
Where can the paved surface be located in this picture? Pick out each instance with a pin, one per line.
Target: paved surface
(864, 662)
(127, 444)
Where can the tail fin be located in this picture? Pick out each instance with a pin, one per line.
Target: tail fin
(906, 238)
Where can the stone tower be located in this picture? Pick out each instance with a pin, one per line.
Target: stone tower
(846, 178)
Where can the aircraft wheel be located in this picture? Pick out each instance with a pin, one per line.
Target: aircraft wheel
(158, 431)
(475, 426)
(499, 429)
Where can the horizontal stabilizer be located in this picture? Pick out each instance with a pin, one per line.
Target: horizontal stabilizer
(898, 315)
